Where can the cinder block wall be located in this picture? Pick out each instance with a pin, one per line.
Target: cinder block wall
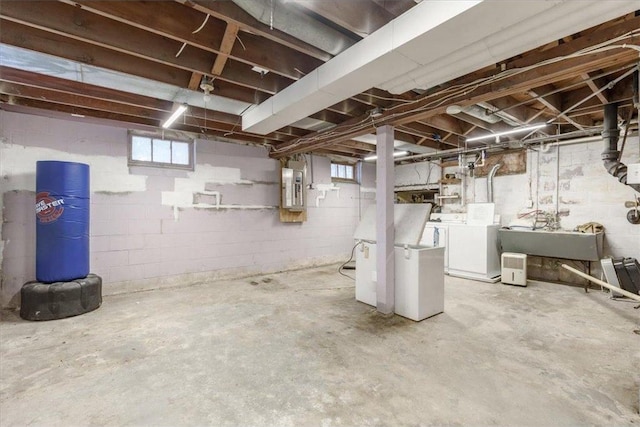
(574, 176)
(156, 227)
(569, 179)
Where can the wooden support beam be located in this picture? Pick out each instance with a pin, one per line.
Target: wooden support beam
(229, 12)
(194, 81)
(159, 17)
(230, 34)
(53, 44)
(594, 87)
(26, 78)
(554, 103)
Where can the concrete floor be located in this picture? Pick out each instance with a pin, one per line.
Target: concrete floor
(296, 349)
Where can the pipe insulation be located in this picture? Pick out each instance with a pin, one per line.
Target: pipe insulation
(610, 155)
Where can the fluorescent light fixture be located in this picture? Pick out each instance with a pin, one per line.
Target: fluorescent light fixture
(395, 154)
(508, 132)
(179, 111)
(77, 115)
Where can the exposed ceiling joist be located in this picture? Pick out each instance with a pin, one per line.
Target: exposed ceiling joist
(143, 57)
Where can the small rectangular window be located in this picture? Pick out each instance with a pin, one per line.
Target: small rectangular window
(157, 152)
(140, 149)
(180, 153)
(343, 172)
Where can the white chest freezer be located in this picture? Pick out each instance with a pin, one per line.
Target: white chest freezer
(418, 270)
(419, 279)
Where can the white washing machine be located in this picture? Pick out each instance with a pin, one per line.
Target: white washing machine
(474, 252)
(471, 250)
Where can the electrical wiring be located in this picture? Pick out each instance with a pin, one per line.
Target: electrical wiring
(194, 32)
(197, 30)
(607, 86)
(386, 98)
(565, 88)
(454, 91)
(353, 250)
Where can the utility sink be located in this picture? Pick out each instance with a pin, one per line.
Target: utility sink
(555, 244)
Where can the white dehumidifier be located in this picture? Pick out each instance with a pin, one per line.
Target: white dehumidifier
(514, 269)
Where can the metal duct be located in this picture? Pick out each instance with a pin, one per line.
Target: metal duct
(474, 111)
(296, 24)
(492, 173)
(610, 156)
(506, 117)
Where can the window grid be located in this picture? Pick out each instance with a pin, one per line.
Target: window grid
(157, 152)
(343, 172)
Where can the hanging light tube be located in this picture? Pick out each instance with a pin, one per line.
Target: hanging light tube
(508, 132)
(179, 111)
(395, 154)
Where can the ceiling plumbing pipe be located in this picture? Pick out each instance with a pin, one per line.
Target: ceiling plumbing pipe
(492, 173)
(610, 155)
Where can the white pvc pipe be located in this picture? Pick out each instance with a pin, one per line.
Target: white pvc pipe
(601, 283)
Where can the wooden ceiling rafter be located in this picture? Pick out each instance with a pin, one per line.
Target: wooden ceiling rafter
(229, 12)
(514, 83)
(76, 50)
(221, 41)
(159, 18)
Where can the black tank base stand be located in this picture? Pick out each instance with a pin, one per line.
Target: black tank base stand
(49, 301)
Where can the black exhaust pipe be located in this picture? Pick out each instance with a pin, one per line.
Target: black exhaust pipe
(610, 156)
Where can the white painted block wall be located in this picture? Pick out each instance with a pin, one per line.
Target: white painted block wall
(572, 174)
(145, 229)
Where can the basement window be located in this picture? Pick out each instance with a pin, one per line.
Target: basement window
(342, 172)
(159, 152)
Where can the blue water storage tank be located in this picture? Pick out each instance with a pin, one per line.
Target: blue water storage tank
(62, 221)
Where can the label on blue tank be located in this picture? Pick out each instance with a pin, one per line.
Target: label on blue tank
(48, 208)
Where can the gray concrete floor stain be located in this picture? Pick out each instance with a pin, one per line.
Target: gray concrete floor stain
(296, 349)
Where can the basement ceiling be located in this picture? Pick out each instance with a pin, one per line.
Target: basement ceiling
(319, 76)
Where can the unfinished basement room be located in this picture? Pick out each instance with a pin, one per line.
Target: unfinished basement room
(319, 213)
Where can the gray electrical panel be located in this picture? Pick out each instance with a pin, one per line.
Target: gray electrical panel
(294, 186)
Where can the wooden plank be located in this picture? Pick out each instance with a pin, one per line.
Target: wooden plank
(27, 78)
(79, 24)
(82, 101)
(194, 81)
(594, 88)
(160, 17)
(226, 45)
(482, 93)
(70, 109)
(53, 44)
(554, 103)
(229, 12)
